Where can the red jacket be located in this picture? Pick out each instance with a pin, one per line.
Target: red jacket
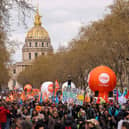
(3, 115)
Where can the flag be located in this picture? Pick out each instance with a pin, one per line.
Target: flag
(57, 100)
(41, 98)
(122, 100)
(98, 100)
(20, 101)
(125, 92)
(23, 96)
(7, 99)
(102, 100)
(87, 98)
(56, 87)
(45, 96)
(11, 97)
(119, 93)
(127, 95)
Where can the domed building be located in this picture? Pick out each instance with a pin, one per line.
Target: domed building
(37, 43)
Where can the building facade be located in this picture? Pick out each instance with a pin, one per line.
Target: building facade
(37, 43)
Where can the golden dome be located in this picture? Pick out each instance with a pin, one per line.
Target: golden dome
(37, 32)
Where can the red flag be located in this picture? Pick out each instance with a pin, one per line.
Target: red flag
(98, 100)
(56, 87)
(127, 95)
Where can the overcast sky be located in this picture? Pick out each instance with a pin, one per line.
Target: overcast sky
(62, 19)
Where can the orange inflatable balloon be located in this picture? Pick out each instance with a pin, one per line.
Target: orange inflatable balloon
(28, 87)
(102, 79)
(38, 108)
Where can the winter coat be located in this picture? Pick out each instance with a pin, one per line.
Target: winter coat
(120, 123)
(52, 123)
(3, 115)
(69, 124)
(90, 113)
(121, 115)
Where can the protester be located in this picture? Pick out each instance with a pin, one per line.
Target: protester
(3, 115)
(23, 124)
(30, 114)
(92, 124)
(125, 125)
(40, 125)
(124, 119)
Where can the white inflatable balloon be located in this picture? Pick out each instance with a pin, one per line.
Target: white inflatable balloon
(21, 89)
(44, 86)
(65, 85)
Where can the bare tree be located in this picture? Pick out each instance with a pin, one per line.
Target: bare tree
(5, 7)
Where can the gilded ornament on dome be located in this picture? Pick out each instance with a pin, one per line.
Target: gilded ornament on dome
(37, 19)
(37, 32)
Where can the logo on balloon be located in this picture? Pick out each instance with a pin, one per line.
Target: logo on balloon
(104, 78)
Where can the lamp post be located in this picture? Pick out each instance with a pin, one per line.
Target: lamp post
(127, 69)
(69, 81)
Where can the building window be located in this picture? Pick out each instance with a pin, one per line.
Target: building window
(36, 55)
(47, 44)
(36, 44)
(14, 71)
(14, 83)
(30, 44)
(29, 56)
(42, 44)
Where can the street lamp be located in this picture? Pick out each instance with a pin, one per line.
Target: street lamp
(127, 69)
(69, 81)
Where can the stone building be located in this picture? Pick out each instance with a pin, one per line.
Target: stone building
(37, 43)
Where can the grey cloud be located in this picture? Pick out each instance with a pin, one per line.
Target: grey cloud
(63, 19)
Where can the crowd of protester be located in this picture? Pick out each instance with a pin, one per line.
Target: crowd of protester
(16, 115)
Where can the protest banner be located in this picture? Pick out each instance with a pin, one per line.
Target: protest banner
(73, 95)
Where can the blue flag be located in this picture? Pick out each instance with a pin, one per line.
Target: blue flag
(125, 92)
(41, 99)
(119, 93)
(20, 101)
(57, 100)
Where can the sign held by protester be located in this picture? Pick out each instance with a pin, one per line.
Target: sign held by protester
(73, 95)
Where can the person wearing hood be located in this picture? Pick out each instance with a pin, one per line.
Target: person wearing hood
(3, 116)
